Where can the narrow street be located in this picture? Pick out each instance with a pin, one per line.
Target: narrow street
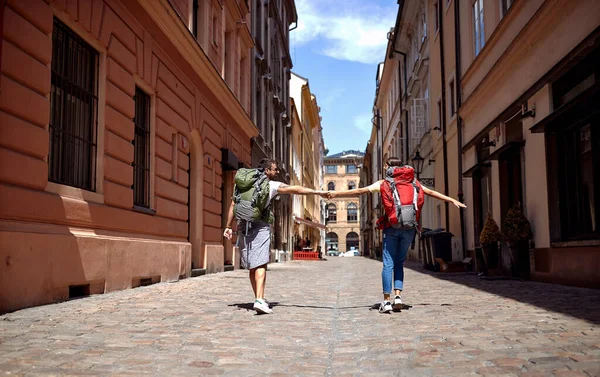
(323, 324)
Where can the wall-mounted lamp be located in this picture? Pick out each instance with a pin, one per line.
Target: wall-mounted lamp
(527, 113)
(485, 143)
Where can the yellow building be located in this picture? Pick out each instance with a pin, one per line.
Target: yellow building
(342, 172)
(307, 150)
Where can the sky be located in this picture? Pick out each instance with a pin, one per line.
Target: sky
(337, 46)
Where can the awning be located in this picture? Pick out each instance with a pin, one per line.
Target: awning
(506, 147)
(580, 108)
(309, 223)
(476, 167)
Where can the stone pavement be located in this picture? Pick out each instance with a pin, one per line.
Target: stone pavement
(457, 325)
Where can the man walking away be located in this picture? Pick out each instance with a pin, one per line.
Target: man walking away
(253, 192)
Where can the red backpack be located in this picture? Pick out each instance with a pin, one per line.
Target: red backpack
(402, 197)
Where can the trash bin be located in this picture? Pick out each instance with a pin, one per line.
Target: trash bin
(441, 243)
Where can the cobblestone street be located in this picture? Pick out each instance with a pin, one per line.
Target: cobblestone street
(323, 324)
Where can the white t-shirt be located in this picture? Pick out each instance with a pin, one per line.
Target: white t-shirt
(375, 187)
(273, 187)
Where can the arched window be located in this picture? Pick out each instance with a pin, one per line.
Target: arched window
(331, 186)
(352, 241)
(352, 213)
(331, 241)
(351, 185)
(331, 213)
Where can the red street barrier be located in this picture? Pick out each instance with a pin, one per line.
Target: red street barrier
(306, 255)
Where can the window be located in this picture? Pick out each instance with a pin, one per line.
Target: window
(215, 29)
(351, 169)
(331, 186)
(505, 5)
(352, 241)
(351, 185)
(436, 15)
(73, 110)
(330, 169)
(439, 105)
(141, 145)
(352, 213)
(479, 32)
(423, 24)
(579, 153)
(331, 213)
(195, 18)
(573, 154)
(452, 98)
(331, 241)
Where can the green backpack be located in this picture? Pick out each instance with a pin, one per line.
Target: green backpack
(251, 195)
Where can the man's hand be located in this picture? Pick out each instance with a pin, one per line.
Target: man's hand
(228, 233)
(458, 204)
(325, 194)
(332, 194)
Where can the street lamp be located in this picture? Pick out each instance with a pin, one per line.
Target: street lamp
(418, 163)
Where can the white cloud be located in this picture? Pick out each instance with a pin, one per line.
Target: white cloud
(354, 30)
(363, 123)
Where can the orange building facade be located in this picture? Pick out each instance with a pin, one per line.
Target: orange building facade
(115, 118)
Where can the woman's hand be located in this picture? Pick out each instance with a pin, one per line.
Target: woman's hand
(458, 204)
(228, 233)
(325, 194)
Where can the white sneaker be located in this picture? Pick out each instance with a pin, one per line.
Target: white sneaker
(397, 303)
(385, 307)
(262, 307)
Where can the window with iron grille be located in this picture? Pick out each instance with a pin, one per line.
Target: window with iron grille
(73, 110)
(141, 143)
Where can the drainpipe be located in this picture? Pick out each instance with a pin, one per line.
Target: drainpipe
(459, 123)
(380, 151)
(444, 145)
(2, 4)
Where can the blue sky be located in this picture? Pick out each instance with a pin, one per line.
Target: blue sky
(337, 46)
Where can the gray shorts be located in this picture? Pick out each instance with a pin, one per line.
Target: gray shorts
(255, 244)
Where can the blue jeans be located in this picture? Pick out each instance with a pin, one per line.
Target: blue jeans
(395, 247)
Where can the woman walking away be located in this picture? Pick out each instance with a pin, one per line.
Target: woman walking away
(402, 196)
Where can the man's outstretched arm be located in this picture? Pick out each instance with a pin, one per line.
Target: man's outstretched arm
(299, 190)
(437, 195)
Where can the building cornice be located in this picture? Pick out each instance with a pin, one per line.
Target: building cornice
(169, 22)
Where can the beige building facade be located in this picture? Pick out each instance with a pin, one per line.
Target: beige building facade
(306, 154)
(342, 172)
(510, 91)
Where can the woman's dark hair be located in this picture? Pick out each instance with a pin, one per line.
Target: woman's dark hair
(266, 163)
(394, 161)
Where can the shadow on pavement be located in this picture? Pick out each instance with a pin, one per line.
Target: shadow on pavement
(582, 303)
(249, 306)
